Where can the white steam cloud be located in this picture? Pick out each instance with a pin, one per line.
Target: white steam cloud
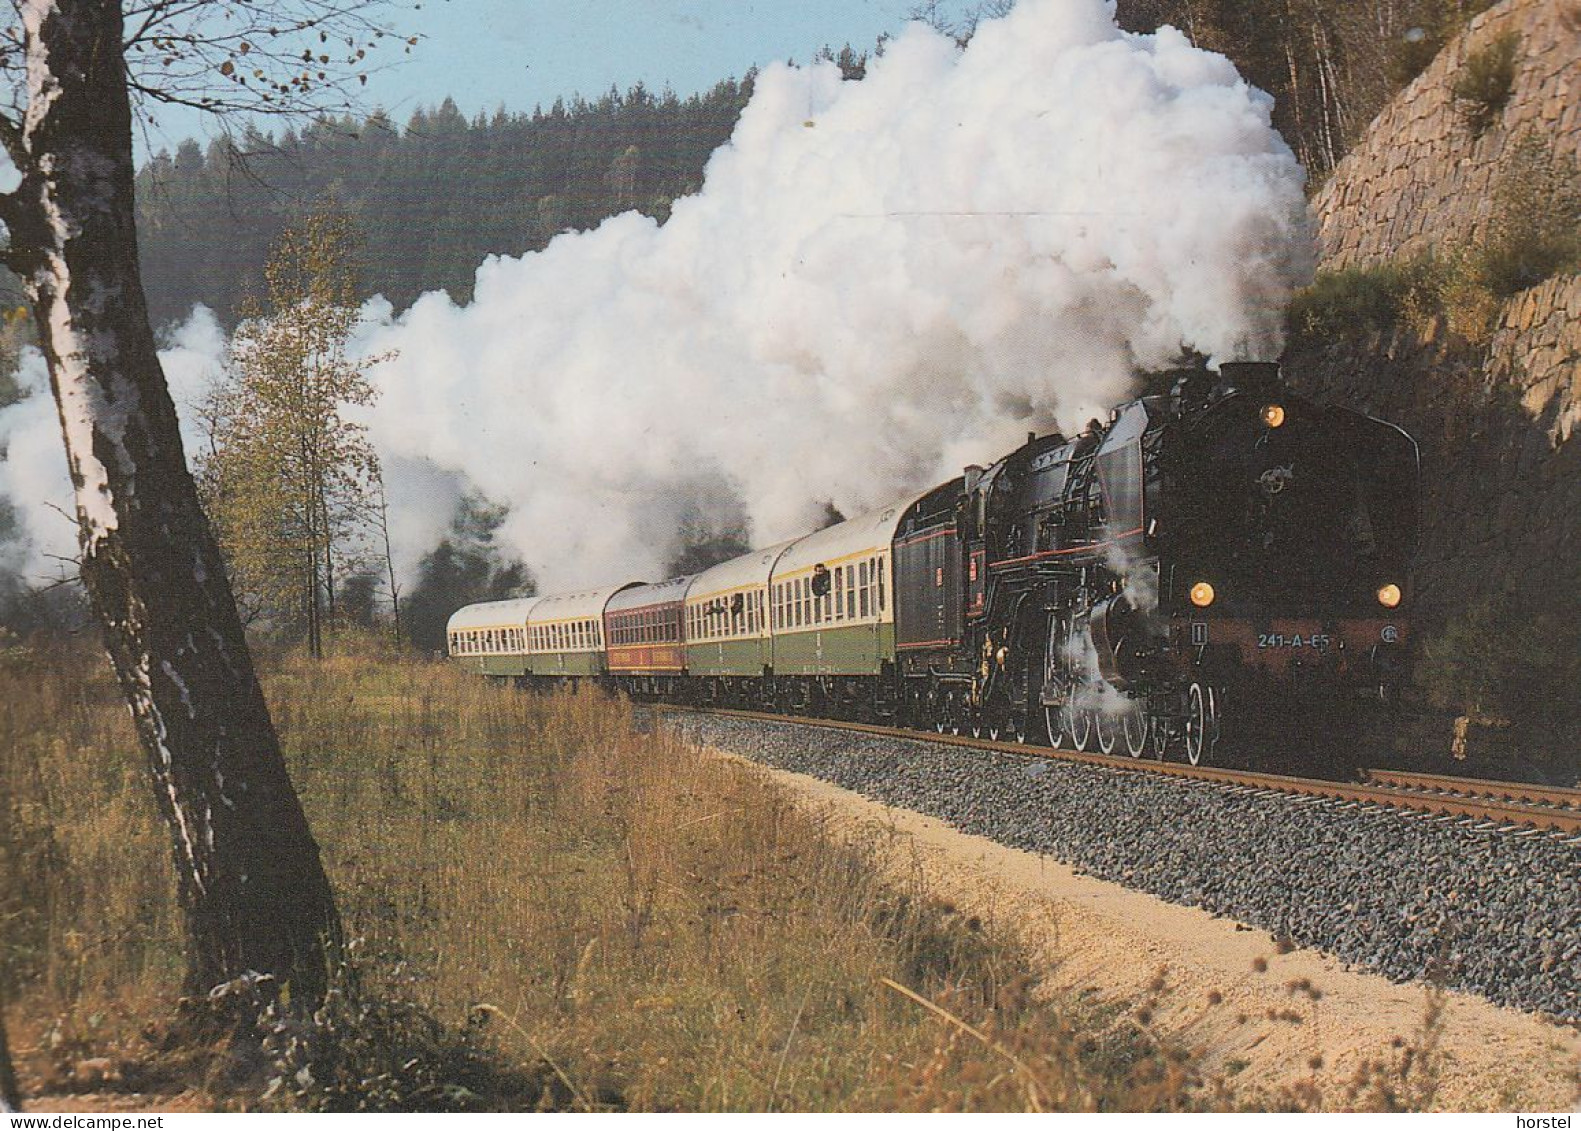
(880, 282)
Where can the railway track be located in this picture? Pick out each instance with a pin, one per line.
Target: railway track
(1505, 804)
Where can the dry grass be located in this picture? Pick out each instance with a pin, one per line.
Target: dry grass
(534, 882)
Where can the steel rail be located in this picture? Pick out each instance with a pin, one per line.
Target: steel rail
(1557, 796)
(1507, 803)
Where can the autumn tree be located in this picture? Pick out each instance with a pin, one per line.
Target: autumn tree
(251, 884)
(293, 483)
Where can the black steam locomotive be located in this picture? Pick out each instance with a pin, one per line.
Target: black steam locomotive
(1211, 556)
(1210, 559)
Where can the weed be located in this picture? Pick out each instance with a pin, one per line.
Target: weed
(1408, 1080)
(555, 911)
(1340, 304)
(1482, 88)
(1535, 231)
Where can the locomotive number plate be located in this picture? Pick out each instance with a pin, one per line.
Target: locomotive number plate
(1318, 640)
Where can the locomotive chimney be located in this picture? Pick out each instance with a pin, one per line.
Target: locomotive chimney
(1252, 377)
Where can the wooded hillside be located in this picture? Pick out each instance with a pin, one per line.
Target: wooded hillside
(432, 199)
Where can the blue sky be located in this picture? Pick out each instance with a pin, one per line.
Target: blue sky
(521, 53)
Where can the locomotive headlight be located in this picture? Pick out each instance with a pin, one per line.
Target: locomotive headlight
(1202, 594)
(1389, 596)
(1273, 415)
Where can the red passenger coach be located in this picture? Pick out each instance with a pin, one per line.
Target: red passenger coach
(642, 628)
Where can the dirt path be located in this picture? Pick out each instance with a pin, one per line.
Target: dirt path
(1262, 1019)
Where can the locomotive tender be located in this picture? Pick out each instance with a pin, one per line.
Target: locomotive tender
(1196, 567)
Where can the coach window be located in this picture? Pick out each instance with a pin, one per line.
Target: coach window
(850, 592)
(883, 562)
(862, 585)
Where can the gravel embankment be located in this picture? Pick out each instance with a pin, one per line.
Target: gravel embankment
(1492, 913)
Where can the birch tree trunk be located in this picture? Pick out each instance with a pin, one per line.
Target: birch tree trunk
(252, 887)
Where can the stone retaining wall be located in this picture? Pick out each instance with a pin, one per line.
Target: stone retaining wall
(1420, 175)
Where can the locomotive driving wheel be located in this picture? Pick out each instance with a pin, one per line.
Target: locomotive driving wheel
(1107, 729)
(1077, 725)
(1202, 722)
(1136, 723)
(1054, 723)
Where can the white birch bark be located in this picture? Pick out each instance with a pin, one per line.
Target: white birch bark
(251, 882)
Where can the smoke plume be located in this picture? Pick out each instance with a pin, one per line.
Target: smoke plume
(880, 282)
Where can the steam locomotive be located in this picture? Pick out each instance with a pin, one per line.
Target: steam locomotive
(1207, 561)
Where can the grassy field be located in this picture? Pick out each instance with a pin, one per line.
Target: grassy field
(550, 908)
